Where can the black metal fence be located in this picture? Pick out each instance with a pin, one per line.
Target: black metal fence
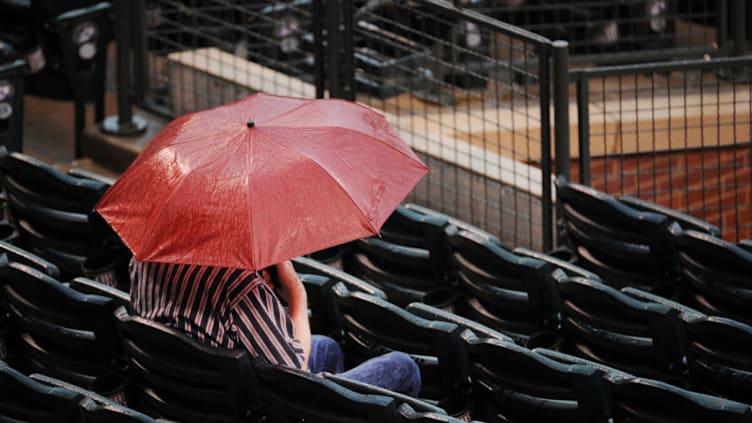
(477, 98)
(679, 134)
(470, 94)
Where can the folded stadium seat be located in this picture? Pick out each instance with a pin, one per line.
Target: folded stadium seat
(407, 260)
(746, 244)
(12, 73)
(464, 225)
(684, 220)
(636, 399)
(61, 332)
(66, 45)
(10, 252)
(54, 213)
(652, 401)
(318, 279)
(568, 268)
(90, 286)
(413, 410)
(292, 395)
(371, 326)
(95, 408)
(684, 311)
(513, 384)
(623, 245)
(183, 379)
(25, 400)
(719, 354)
(510, 293)
(605, 325)
(433, 313)
(716, 274)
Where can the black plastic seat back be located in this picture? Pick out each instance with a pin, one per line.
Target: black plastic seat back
(182, 379)
(459, 223)
(510, 293)
(61, 332)
(651, 401)
(433, 313)
(719, 354)
(605, 325)
(95, 408)
(26, 400)
(407, 259)
(373, 326)
(685, 221)
(717, 274)
(522, 386)
(623, 245)
(292, 395)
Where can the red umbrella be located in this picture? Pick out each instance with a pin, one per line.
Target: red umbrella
(259, 181)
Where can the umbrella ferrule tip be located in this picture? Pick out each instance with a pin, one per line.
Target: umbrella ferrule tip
(251, 123)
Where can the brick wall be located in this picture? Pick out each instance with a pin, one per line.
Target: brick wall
(714, 184)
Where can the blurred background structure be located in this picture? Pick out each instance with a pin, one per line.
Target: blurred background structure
(648, 98)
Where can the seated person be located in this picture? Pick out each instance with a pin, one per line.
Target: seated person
(236, 308)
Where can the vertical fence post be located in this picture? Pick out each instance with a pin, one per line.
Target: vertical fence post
(125, 123)
(561, 107)
(138, 37)
(318, 48)
(738, 26)
(333, 48)
(583, 126)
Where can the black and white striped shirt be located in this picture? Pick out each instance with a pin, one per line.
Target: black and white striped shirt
(219, 306)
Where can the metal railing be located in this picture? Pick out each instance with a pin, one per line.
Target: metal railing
(679, 134)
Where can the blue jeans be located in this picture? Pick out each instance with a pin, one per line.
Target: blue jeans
(395, 371)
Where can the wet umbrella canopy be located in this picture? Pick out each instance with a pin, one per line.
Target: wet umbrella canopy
(259, 181)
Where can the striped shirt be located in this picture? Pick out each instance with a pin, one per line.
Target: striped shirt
(218, 306)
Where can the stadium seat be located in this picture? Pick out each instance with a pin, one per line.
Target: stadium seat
(25, 400)
(685, 312)
(652, 401)
(684, 220)
(407, 260)
(605, 325)
(372, 326)
(54, 214)
(717, 274)
(459, 223)
(514, 384)
(433, 313)
(413, 410)
(623, 245)
(61, 332)
(637, 399)
(95, 408)
(182, 379)
(292, 395)
(746, 244)
(512, 294)
(91, 286)
(569, 268)
(719, 353)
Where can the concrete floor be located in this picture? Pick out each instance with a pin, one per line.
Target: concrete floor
(49, 136)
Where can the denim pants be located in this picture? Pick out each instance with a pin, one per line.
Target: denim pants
(395, 371)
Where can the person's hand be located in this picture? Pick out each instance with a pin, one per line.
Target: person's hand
(290, 287)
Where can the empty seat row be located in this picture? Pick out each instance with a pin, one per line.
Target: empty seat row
(53, 213)
(42, 399)
(631, 242)
(499, 380)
